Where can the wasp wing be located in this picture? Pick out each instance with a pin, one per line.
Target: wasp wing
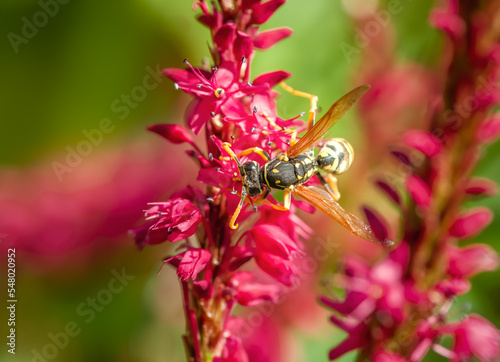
(336, 111)
(324, 202)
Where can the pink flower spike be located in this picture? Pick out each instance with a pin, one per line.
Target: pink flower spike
(471, 260)
(474, 337)
(376, 224)
(425, 142)
(172, 132)
(268, 38)
(471, 222)
(272, 78)
(481, 187)
(418, 190)
(489, 131)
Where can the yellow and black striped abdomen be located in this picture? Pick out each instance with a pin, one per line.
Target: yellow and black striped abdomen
(279, 174)
(336, 156)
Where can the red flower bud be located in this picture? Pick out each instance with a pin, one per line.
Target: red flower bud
(172, 132)
(471, 222)
(425, 142)
(481, 187)
(471, 260)
(418, 190)
(489, 131)
(376, 224)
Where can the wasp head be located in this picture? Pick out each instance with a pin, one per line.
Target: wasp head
(251, 179)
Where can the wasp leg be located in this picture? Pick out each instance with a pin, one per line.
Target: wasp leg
(275, 126)
(262, 197)
(312, 98)
(265, 156)
(329, 182)
(227, 147)
(236, 213)
(287, 201)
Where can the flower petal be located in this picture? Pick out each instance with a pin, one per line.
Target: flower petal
(376, 224)
(268, 38)
(389, 191)
(193, 261)
(449, 22)
(172, 132)
(471, 260)
(471, 222)
(481, 187)
(418, 190)
(425, 142)
(225, 36)
(272, 239)
(262, 12)
(272, 78)
(453, 287)
(489, 131)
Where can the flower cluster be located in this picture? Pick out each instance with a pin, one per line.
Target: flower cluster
(231, 108)
(397, 309)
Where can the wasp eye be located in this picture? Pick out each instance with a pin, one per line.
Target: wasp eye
(218, 92)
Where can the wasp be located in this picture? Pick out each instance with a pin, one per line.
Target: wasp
(289, 171)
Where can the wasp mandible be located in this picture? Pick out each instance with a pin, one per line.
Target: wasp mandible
(289, 171)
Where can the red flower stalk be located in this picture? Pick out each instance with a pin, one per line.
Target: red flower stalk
(232, 109)
(397, 309)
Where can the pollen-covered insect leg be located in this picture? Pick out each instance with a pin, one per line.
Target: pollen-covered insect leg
(329, 182)
(265, 156)
(313, 99)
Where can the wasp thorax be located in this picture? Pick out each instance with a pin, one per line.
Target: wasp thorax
(336, 156)
(251, 171)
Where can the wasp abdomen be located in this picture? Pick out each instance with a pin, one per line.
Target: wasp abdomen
(336, 156)
(279, 174)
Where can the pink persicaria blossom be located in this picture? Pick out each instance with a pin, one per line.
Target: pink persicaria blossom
(63, 223)
(217, 231)
(398, 309)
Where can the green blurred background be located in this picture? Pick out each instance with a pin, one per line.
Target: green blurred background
(66, 78)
